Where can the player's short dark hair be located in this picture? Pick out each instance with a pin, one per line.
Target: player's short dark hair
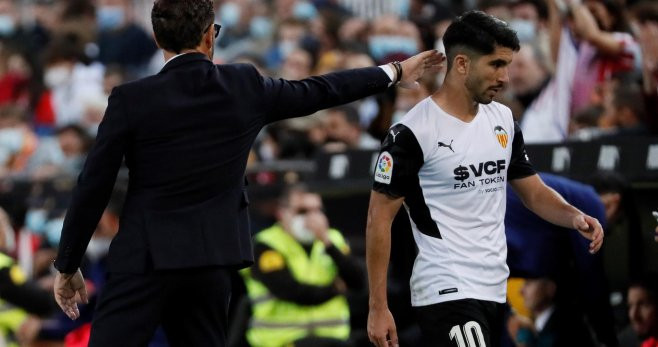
(180, 24)
(477, 33)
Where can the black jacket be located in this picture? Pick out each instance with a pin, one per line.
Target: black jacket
(185, 134)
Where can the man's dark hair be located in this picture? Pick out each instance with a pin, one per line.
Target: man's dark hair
(349, 112)
(180, 24)
(630, 96)
(648, 282)
(477, 33)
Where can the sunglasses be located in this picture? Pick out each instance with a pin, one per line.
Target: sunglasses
(216, 26)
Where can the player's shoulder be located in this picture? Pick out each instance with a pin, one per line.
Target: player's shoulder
(418, 121)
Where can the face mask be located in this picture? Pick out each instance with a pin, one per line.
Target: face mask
(56, 76)
(35, 220)
(109, 17)
(98, 247)
(260, 27)
(526, 30)
(286, 47)
(11, 140)
(382, 45)
(7, 25)
(53, 230)
(304, 11)
(229, 15)
(299, 231)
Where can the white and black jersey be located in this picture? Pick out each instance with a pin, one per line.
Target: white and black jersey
(453, 177)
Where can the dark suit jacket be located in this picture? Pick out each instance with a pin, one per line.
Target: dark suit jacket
(185, 134)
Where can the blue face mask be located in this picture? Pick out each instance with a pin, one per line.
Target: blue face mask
(35, 220)
(304, 11)
(526, 30)
(7, 25)
(53, 230)
(109, 17)
(382, 45)
(229, 15)
(260, 27)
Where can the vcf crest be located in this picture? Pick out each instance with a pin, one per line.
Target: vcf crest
(501, 136)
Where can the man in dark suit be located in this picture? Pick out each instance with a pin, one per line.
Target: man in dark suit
(185, 134)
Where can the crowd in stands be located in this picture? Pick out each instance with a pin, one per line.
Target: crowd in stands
(587, 70)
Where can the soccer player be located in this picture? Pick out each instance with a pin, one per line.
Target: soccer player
(448, 162)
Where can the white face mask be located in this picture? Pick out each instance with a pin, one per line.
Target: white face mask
(56, 76)
(11, 139)
(526, 30)
(98, 247)
(299, 231)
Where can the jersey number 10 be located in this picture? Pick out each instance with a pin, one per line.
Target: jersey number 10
(471, 332)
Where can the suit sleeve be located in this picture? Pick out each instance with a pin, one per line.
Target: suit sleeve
(288, 99)
(399, 162)
(94, 186)
(520, 165)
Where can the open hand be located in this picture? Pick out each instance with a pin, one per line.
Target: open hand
(591, 229)
(415, 67)
(70, 290)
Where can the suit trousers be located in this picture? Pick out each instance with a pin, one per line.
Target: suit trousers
(191, 305)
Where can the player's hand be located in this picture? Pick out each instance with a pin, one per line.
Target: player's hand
(591, 229)
(381, 328)
(415, 67)
(70, 290)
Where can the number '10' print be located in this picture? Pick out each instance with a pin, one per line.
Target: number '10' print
(471, 333)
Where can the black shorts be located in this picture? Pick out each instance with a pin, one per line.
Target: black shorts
(461, 323)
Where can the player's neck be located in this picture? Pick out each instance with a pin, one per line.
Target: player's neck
(455, 99)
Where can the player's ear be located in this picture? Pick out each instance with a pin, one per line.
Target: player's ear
(461, 63)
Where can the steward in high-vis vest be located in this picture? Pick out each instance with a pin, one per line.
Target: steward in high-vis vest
(18, 296)
(302, 271)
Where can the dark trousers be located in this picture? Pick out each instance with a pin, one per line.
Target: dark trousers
(191, 305)
(461, 323)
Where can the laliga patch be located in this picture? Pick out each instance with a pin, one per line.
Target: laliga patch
(384, 168)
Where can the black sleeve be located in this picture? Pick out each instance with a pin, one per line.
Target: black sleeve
(398, 164)
(95, 183)
(520, 165)
(26, 295)
(287, 99)
(349, 268)
(283, 285)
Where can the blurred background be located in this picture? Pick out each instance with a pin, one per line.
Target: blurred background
(584, 87)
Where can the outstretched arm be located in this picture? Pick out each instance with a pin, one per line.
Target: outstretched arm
(549, 205)
(381, 213)
(287, 99)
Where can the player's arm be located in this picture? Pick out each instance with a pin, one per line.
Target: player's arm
(381, 213)
(551, 206)
(398, 164)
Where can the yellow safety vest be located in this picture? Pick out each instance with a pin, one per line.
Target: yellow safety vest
(11, 317)
(275, 322)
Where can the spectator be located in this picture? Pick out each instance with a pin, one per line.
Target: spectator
(554, 324)
(537, 248)
(17, 140)
(344, 130)
(625, 112)
(642, 313)
(605, 47)
(303, 270)
(120, 40)
(71, 80)
(63, 154)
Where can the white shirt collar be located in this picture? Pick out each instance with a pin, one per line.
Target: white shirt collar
(174, 57)
(542, 318)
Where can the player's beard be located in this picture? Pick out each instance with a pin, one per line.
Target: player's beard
(479, 90)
